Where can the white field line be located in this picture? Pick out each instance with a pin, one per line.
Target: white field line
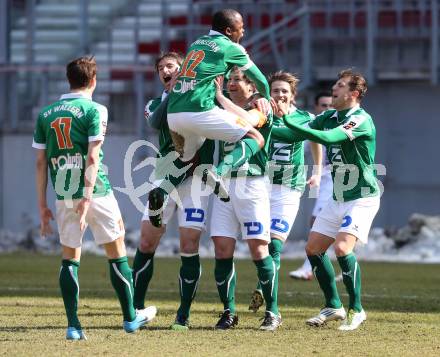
(287, 293)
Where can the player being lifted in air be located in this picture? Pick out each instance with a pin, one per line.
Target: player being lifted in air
(192, 113)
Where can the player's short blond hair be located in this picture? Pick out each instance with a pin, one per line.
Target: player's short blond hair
(287, 77)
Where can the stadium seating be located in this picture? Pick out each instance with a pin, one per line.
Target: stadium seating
(126, 36)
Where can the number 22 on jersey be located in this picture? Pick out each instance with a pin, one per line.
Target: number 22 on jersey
(62, 127)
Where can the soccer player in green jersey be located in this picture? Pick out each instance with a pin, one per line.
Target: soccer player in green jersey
(191, 213)
(246, 214)
(68, 137)
(323, 102)
(286, 169)
(349, 134)
(192, 113)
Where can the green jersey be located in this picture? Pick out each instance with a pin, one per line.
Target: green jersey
(209, 57)
(256, 165)
(64, 129)
(352, 160)
(286, 166)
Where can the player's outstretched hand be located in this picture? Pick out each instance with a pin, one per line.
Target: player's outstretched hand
(81, 210)
(314, 181)
(45, 217)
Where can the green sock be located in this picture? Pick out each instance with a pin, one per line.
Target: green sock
(189, 277)
(267, 273)
(243, 150)
(70, 291)
(226, 280)
(351, 274)
(142, 273)
(325, 274)
(275, 249)
(122, 281)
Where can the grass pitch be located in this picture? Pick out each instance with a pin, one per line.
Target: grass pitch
(402, 302)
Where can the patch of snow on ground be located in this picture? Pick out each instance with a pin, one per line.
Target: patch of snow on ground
(418, 241)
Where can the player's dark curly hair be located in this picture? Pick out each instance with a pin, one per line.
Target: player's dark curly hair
(174, 55)
(357, 81)
(223, 19)
(81, 71)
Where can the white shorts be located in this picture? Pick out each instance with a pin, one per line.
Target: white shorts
(247, 213)
(195, 127)
(191, 205)
(103, 217)
(353, 217)
(325, 193)
(284, 205)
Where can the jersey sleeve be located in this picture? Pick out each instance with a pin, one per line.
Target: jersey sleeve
(357, 126)
(158, 116)
(317, 122)
(236, 55)
(300, 118)
(39, 141)
(148, 110)
(97, 123)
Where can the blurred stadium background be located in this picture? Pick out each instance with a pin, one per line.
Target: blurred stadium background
(395, 43)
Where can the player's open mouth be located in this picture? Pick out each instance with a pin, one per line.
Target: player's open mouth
(166, 79)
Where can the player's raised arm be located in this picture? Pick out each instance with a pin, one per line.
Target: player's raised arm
(254, 73)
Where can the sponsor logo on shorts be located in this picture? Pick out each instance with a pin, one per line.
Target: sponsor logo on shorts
(346, 221)
(279, 225)
(253, 228)
(194, 214)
